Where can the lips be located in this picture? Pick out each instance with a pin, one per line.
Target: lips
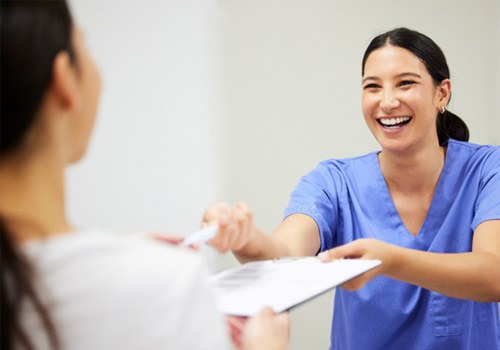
(393, 122)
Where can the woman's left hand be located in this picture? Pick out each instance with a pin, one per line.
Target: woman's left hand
(365, 248)
(165, 238)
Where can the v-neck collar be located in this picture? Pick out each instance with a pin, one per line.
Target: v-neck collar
(440, 202)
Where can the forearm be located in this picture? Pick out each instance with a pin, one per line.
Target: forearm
(262, 246)
(297, 235)
(474, 275)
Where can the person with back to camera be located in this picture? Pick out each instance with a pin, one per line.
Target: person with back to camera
(64, 288)
(427, 205)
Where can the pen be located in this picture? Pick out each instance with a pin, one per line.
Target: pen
(201, 236)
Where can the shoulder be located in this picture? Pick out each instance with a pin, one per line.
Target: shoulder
(113, 261)
(332, 177)
(486, 157)
(473, 148)
(345, 162)
(338, 168)
(97, 248)
(136, 286)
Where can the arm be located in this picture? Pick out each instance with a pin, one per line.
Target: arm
(297, 235)
(474, 275)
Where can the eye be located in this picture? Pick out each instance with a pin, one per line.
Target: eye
(406, 83)
(371, 86)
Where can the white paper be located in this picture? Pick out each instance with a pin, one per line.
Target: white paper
(281, 284)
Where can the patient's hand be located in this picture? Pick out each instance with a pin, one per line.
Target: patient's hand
(165, 238)
(264, 331)
(267, 330)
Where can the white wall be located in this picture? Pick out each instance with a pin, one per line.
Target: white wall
(153, 159)
(236, 99)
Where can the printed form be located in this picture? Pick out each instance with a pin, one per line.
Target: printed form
(282, 283)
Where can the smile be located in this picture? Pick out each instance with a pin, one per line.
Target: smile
(394, 122)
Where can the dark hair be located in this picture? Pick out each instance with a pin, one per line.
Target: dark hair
(448, 124)
(32, 34)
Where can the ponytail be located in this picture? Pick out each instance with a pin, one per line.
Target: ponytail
(450, 125)
(16, 288)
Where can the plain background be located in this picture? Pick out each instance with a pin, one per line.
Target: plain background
(207, 100)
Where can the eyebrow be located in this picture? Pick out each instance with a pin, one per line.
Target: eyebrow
(401, 75)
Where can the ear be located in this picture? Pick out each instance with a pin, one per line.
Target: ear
(443, 93)
(64, 85)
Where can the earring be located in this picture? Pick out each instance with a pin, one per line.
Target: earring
(442, 110)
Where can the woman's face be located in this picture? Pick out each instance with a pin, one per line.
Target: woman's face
(400, 100)
(89, 88)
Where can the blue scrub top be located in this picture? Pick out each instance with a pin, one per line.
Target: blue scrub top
(349, 199)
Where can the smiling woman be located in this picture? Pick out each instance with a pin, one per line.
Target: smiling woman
(424, 60)
(427, 205)
(397, 88)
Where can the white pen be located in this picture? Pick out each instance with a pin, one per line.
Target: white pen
(201, 236)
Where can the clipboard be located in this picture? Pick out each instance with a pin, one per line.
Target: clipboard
(282, 283)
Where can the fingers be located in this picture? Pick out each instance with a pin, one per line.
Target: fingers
(363, 249)
(237, 323)
(235, 225)
(349, 250)
(244, 217)
(215, 214)
(282, 320)
(359, 282)
(267, 330)
(159, 236)
(236, 328)
(175, 240)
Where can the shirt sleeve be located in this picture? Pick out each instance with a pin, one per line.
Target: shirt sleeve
(488, 201)
(316, 196)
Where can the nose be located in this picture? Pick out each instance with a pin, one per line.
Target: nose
(389, 100)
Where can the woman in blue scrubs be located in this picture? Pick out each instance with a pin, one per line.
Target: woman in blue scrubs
(427, 205)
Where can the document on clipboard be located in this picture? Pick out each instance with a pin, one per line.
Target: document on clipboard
(282, 283)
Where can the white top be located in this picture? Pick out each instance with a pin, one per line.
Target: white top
(109, 292)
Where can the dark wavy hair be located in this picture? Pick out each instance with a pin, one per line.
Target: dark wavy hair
(32, 34)
(448, 124)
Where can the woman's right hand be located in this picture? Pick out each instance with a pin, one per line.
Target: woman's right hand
(267, 331)
(236, 227)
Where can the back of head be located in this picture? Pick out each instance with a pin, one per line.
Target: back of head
(448, 124)
(32, 33)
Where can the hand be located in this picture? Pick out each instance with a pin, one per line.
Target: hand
(365, 248)
(166, 238)
(236, 227)
(236, 326)
(267, 330)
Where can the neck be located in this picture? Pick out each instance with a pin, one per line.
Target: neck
(32, 201)
(418, 172)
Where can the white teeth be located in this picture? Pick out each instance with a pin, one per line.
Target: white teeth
(393, 121)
